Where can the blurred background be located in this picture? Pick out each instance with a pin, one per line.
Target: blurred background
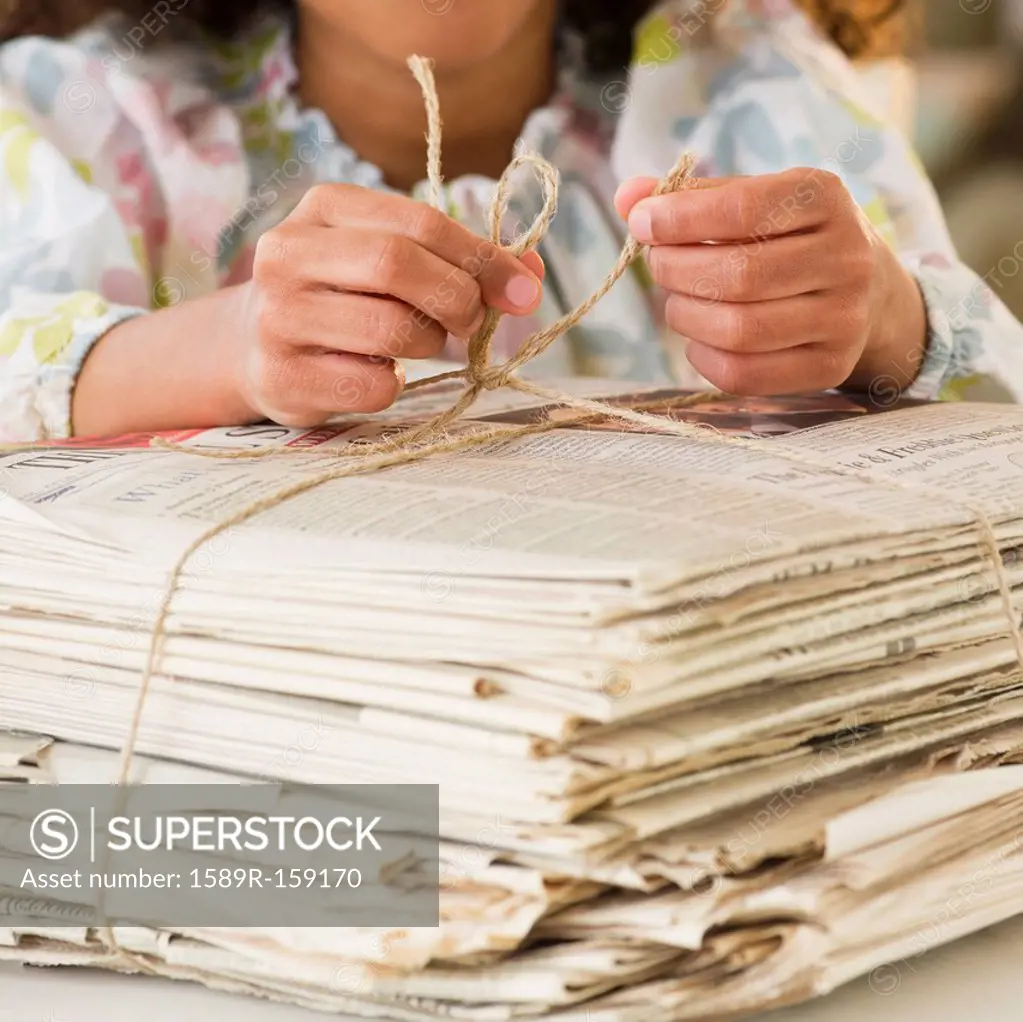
(964, 109)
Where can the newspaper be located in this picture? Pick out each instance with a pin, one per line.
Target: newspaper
(662, 673)
(940, 856)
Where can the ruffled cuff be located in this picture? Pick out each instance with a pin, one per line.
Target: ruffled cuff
(57, 377)
(940, 364)
(969, 332)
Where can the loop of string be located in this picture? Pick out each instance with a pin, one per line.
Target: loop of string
(431, 438)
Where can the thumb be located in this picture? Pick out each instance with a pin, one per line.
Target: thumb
(630, 192)
(534, 263)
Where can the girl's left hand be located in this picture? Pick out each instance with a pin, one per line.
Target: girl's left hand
(798, 293)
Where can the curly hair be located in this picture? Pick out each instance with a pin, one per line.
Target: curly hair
(861, 28)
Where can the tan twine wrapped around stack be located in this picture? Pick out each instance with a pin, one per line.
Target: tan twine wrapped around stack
(431, 438)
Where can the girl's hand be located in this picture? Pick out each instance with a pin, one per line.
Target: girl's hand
(353, 280)
(798, 293)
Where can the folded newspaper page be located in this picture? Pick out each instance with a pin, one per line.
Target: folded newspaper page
(716, 726)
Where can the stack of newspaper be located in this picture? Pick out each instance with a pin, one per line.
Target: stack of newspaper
(712, 726)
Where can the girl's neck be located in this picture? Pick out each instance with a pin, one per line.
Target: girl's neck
(376, 107)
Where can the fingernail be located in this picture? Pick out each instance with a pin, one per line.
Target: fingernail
(522, 291)
(641, 224)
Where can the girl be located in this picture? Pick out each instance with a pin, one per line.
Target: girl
(212, 215)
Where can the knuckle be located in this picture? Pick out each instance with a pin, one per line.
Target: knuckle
(679, 314)
(485, 255)
(371, 387)
(833, 192)
(746, 275)
(393, 259)
(275, 322)
(859, 262)
(387, 328)
(673, 314)
(763, 213)
(427, 341)
(430, 227)
(857, 316)
(399, 332)
(673, 222)
(744, 328)
(274, 254)
(322, 199)
(833, 366)
(733, 376)
(831, 184)
(658, 261)
(821, 186)
(459, 303)
(852, 329)
(747, 207)
(349, 390)
(271, 372)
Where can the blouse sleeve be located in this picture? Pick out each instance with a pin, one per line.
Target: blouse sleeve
(975, 344)
(784, 98)
(70, 267)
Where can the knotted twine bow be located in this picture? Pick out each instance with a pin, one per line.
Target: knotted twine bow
(431, 438)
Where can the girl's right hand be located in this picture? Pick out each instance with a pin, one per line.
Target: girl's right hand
(353, 280)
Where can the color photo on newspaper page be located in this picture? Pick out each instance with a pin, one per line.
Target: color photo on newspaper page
(749, 416)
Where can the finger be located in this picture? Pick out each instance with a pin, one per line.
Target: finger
(360, 384)
(505, 281)
(534, 263)
(361, 324)
(753, 272)
(809, 368)
(632, 191)
(747, 327)
(743, 208)
(377, 263)
(309, 388)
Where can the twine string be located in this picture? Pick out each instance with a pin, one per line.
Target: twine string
(432, 438)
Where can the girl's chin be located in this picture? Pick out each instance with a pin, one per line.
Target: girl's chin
(455, 34)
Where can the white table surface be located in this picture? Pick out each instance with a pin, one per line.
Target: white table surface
(978, 979)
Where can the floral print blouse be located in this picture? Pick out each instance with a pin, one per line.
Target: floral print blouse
(136, 177)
